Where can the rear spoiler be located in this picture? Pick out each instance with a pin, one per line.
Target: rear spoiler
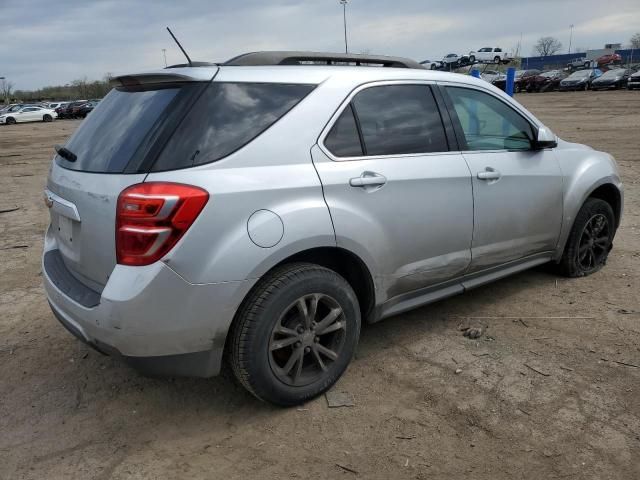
(200, 74)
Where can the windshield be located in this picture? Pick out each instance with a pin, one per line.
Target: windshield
(613, 73)
(580, 74)
(107, 140)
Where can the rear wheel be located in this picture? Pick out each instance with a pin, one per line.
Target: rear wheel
(295, 334)
(496, 59)
(472, 59)
(590, 239)
(46, 118)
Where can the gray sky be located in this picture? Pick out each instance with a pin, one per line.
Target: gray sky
(49, 42)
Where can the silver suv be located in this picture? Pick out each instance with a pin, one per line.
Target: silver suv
(259, 210)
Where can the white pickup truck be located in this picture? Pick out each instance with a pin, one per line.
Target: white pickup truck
(490, 55)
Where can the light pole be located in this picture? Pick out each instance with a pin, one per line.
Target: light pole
(570, 36)
(344, 17)
(164, 54)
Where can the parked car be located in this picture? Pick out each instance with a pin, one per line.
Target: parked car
(521, 77)
(608, 59)
(580, 80)
(490, 55)
(55, 105)
(615, 79)
(68, 110)
(581, 62)
(544, 82)
(84, 110)
(428, 64)
(451, 60)
(182, 233)
(491, 75)
(28, 114)
(634, 81)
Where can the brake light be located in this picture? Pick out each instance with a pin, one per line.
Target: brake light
(152, 217)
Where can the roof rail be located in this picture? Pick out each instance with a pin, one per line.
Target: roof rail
(324, 58)
(193, 64)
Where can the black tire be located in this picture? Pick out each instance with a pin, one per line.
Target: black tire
(585, 240)
(587, 64)
(496, 59)
(472, 59)
(10, 121)
(269, 321)
(46, 118)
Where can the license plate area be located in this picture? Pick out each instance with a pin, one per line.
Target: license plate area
(65, 230)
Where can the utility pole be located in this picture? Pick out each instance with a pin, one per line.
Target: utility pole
(570, 36)
(344, 17)
(164, 54)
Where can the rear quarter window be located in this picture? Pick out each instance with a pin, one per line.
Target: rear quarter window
(225, 118)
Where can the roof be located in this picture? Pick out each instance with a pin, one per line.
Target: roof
(273, 58)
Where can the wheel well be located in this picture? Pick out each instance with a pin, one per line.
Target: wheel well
(610, 194)
(349, 266)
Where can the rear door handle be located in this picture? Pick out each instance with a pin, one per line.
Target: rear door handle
(368, 179)
(489, 174)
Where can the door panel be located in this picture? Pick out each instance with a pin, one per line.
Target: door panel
(416, 228)
(395, 199)
(517, 190)
(519, 213)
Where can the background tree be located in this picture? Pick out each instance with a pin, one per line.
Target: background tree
(635, 41)
(6, 87)
(546, 46)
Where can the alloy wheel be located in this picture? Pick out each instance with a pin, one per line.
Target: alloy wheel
(594, 242)
(307, 339)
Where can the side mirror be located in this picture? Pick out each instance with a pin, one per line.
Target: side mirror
(546, 139)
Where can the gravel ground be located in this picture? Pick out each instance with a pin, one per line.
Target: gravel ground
(539, 395)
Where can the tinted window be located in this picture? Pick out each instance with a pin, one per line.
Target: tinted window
(225, 118)
(343, 139)
(399, 119)
(109, 137)
(488, 123)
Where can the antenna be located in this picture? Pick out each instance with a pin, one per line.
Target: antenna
(176, 40)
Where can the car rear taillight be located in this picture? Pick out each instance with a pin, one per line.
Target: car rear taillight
(152, 217)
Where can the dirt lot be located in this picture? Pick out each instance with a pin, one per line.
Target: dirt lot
(538, 397)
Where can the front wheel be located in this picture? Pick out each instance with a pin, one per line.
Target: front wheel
(472, 59)
(295, 334)
(496, 59)
(590, 239)
(10, 121)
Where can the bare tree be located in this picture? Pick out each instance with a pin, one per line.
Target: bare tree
(635, 41)
(547, 46)
(6, 87)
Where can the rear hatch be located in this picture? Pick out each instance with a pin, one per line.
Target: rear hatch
(113, 148)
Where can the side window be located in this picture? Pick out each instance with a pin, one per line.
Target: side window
(498, 50)
(399, 119)
(343, 139)
(489, 123)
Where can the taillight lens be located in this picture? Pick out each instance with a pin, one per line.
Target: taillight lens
(152, 217)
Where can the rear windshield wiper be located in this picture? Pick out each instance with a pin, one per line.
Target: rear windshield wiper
(65, 153)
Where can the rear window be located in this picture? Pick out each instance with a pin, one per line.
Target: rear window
(225, 118)
(107, 140)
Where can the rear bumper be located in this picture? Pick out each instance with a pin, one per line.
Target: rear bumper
(153, 318)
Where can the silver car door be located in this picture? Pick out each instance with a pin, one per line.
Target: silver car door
(517, 189)
(397, 196)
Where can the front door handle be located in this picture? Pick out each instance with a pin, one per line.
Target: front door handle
(368, 179)
(489, 174)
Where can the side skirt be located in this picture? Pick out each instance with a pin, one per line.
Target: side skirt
(424, 296)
